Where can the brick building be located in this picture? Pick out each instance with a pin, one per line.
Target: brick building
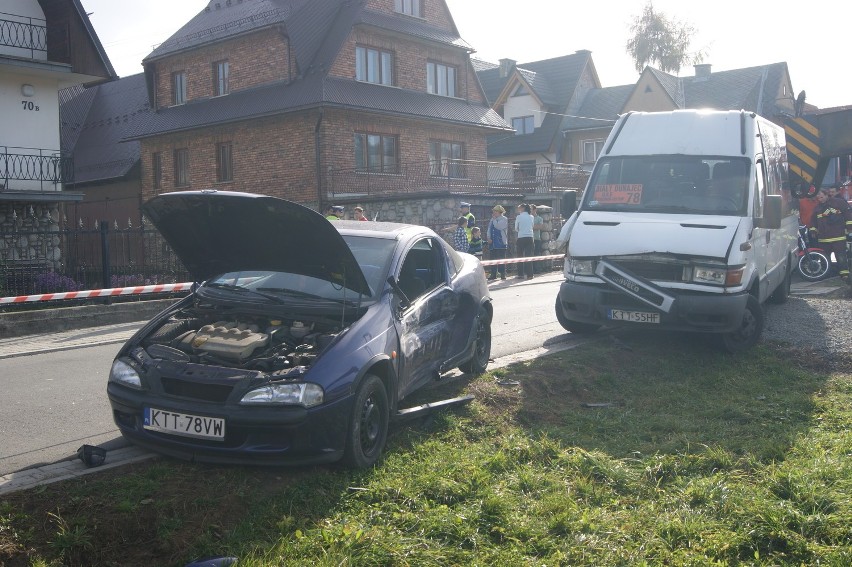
(277, 96)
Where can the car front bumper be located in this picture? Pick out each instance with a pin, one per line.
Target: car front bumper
(253, 435)
(697, 312)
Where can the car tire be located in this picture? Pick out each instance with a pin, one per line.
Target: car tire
(574, 327)
(482, 345)
(751, 327)
(368, 425)
(782, 292)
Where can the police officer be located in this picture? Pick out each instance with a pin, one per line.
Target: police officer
(334, 212)
(471, 220)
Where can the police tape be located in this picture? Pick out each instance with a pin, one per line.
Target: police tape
(93, 293)
(522, 260)
(186, 286)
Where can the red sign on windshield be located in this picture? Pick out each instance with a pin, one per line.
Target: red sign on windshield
(618, 194)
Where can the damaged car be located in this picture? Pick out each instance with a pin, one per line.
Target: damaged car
(302, 337)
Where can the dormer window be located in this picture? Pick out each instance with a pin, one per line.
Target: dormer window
(521, 90)
(373, 66)
(410, 7)
(179, 87)
(523, 125)
(440, 79)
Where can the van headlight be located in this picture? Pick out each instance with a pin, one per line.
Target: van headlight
(124, 374)
(299, 393)
(576, 267)
(720, 275)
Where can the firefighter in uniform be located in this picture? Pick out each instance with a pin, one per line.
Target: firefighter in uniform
(831, 226)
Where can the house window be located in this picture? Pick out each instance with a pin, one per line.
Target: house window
(523, 125)
(440, 79)
(376, 153)
(445, 159)
(410, 7)
(179, 87)
(182, 167)
(224, 162)
(157, 170)
(220, 78)
(591, 150)
(373, 66)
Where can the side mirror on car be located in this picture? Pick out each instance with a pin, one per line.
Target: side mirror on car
(773, 206)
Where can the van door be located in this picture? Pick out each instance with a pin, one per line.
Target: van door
(761, 237)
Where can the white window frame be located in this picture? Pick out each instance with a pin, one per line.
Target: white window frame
(527, 125)
(593, 146)
(374, 66)
(409, 7)
(441, 79)
(179, 88)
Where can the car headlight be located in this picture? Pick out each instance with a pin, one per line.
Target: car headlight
(718, 275)
(124, 374)
(302, 394)
(579, 267)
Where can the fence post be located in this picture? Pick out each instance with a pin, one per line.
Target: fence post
(105, 263)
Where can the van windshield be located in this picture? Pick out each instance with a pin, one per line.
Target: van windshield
(703, 185)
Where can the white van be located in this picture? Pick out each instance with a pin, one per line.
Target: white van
(686, 224)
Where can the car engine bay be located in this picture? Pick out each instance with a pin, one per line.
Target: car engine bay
(248, 342)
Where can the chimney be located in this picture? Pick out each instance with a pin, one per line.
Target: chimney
(702, 70)
(506, 66)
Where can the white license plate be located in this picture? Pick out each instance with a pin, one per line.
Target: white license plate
(185, 424)
(633, 316)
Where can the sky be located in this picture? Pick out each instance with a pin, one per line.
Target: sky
(734, 34)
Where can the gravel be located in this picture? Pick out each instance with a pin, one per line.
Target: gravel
(815, 323)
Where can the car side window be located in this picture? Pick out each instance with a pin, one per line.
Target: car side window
(423, 268)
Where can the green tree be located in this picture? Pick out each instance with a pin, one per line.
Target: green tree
(658, 39)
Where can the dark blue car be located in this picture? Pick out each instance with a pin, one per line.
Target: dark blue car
(304, 338)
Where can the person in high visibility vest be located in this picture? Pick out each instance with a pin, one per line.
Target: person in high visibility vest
(334, 212)
(471, 220)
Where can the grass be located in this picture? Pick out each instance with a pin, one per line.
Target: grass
(638, 451)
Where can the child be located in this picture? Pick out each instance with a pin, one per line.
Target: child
(475, 247)
(460, 241)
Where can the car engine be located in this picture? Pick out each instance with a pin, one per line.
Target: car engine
(247, 342)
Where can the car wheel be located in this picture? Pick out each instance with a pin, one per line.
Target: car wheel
(573, 326)
(782, 292)
(482, 347)
(749, 331)
(368, 426)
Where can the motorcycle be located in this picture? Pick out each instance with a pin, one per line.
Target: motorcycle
(814, 263)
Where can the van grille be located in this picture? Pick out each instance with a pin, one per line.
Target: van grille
(658, 271)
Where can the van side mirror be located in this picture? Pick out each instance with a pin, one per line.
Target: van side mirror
(569, 203)
(773, 206)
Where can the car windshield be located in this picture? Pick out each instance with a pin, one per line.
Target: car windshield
(372, 254)
(704, 185)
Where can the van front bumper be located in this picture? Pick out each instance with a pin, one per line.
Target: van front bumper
(691, 311)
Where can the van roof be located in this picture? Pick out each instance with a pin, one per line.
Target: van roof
(683, 132)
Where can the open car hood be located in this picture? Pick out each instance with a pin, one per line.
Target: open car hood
(214, 232)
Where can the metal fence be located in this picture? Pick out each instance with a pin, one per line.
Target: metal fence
(106, 257)
(23, 32)
(457, 176)
(35, 164)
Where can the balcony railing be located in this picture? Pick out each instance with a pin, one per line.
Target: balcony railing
(457, 176)
(37, 165)
(23, 32)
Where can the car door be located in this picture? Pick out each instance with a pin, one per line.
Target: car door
(426, 325)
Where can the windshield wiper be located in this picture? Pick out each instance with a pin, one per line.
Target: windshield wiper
(293, 292)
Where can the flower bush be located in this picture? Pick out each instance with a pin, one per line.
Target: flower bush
(51, 282)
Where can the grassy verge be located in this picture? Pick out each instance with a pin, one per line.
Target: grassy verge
(620, 452)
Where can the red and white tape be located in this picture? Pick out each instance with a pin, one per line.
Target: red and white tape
(186, 286)
(522, 260)
(118, 291)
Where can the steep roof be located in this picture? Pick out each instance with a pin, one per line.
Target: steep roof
(222, 19)
(750, 88)
(318, 29)
(600, 108)
(96, 120)
(554, 81)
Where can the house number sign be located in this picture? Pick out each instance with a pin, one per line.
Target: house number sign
(29, 105)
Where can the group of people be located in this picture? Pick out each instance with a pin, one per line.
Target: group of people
(336, 212)
(829, 220)
(468, 237)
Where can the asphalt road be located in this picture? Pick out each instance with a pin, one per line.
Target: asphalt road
(54, 400)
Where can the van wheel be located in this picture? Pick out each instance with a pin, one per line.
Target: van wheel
(368, 426)
(750, 329)
(573, 326)
(482, 349)
(782, 292)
